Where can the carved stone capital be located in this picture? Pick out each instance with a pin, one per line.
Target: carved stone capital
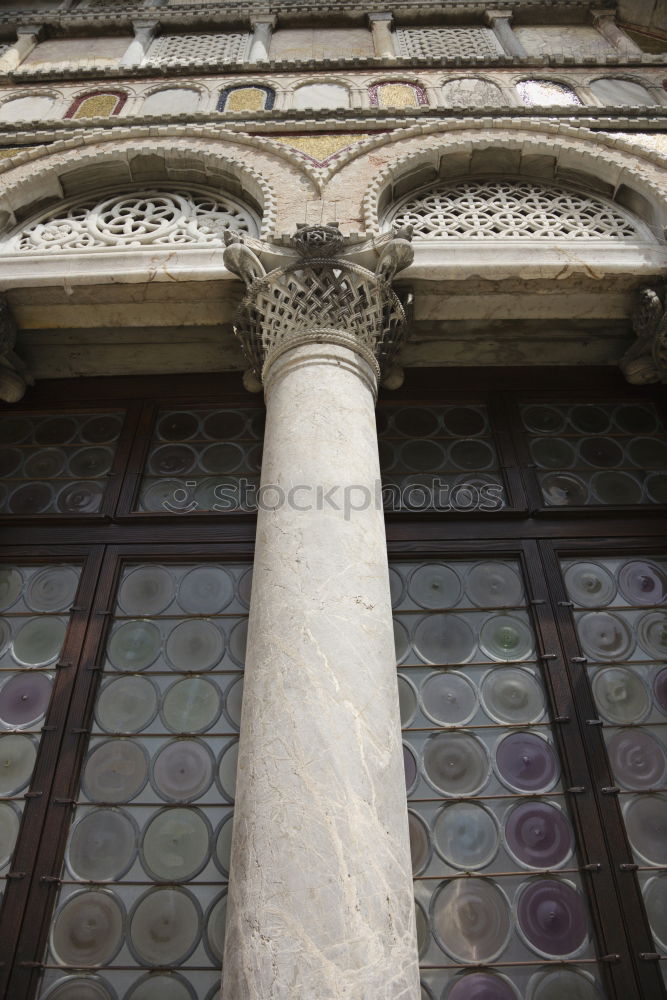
(646, 361)
(321, 297)
(14, 375)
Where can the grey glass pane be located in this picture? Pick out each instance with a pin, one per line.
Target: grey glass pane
(57, 464)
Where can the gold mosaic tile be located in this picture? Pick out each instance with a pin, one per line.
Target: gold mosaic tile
(5, 153)
(98, 106)
(320, 147)
(397, 95)
(245, 99)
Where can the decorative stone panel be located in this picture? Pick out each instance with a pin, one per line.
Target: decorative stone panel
(472, 92)
(255, 98)
(447, 43)
(98, 104)
(510, 209)
(397, 94)
(176, 216)
(204, 48)
(546, 93)
(570, 40)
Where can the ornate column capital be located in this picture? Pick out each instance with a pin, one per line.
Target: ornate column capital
(14, 375)
(646, 361)
(321, 297)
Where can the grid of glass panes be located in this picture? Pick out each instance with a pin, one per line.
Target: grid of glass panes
(34, 602)
(438, 458)
(497, 883)
(56, 463)
(204, 459)
(146, 863)
(590, 454)
(621, 621)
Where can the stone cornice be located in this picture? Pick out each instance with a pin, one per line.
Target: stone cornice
(65, 71)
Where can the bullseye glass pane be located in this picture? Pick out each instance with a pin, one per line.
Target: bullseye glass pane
(203, 460)
(57, 464)
(488, 811)
(621, 618)
(440, 458)
(147, 859)
(597, 454)
(35, 600)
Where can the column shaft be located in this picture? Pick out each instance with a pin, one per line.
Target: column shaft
(320, 901)
(501, 23)
(605, 23)
(144, 33)
(261, 39)
(383, 41)
(27, 39)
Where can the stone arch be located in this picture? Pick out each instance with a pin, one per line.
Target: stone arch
(475, 91)
(98, 103)
(246, 96)
(31, 105)
(325, 93)
(164, 98)
(397, 93)
(47, 178)
(622, 91)
(578, 160)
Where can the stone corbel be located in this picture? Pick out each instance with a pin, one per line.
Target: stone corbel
(27, 39)
(646, 361)
(605, 23)
(500, 21)
(260, 44)
(14, 374)
(144, 33)
(383, 40)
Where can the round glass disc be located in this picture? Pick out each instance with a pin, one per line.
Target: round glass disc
(552, 917)
(420, 844)
(88, 929)
(444, 639)
(182, 770)
(637, 759)
(102, 846)
(134, 645)
(155, 986)
(191, 705)
(494, 585)
(146, 590)
(620, 695)
(165, 926)
(643, 582)
(563, 489)
(604, 636)
(655, 901)
(205, 590)
(52, 589)
(559, 983)
(223, 844)
(176, 845)
(589, 584)
(234, 702)
(39, 641)
(505, 637)
(11, 585)
(471, 918)
(455, 763)
(227, 769)
(510, 694)
(652, 634)
(407, 699)
(646, 825)
(616, 488)
(238, 640)
(466, 835)
(17, 760)
(126, 705)
(480, 986)
(539, 835)
(9, 829)
(401, 641)
(526, 762)
(435, 585)
(195, 644)
(81, 498)
(80, 987)
(448, 698)
(24, 699)
(216, 919)
(115, 771)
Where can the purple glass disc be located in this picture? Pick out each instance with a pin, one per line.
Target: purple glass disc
(526, 762)
(637, 759)
(24, 699)
(410, 767)
(660, 689)
(552, 917)
(481, 986)
(538, 835)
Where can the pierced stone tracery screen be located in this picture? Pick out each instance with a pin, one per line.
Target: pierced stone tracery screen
(515, 209)
(174, 216)
(221, 47)
(429, 43)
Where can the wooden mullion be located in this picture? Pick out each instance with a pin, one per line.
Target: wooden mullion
(17, 918)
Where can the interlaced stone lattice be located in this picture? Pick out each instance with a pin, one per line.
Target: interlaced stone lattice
(321, 298)
(497, 209)
(177, 216)
(221, 47)
(448, 43)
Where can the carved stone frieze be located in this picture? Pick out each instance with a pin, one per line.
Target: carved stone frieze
(14, 374)
(646, 361)
(321, 297)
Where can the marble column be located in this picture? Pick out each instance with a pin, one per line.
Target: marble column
(144, 33)
(383, 41)
(320, 899)
(501, 23)
(260, 44)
